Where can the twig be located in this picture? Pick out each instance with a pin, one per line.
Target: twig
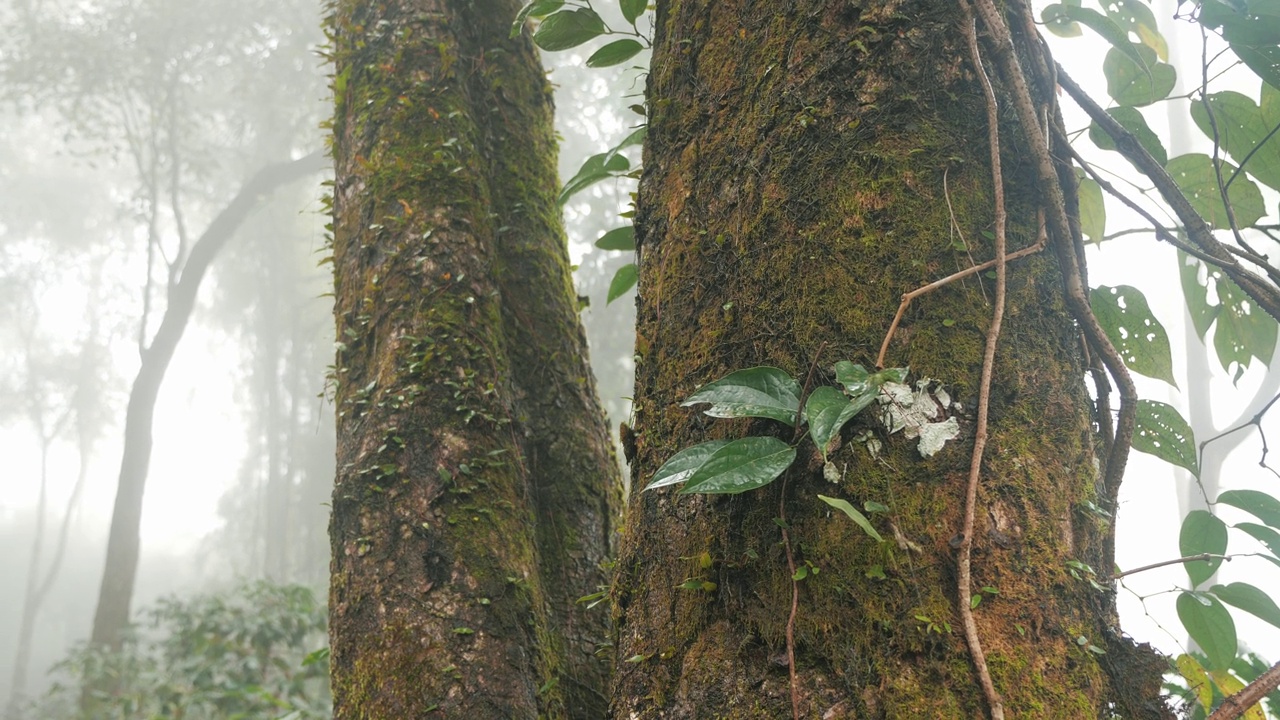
(908, 297)
(1252, 694)
(1205, 557)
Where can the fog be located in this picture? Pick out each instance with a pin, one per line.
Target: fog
(130, 126)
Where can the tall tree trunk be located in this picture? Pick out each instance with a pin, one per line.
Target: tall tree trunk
(807, 163)
(121, 567)
(475, 486)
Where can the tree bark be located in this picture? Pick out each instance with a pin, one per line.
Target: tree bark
(116, 593)
(807, 163)
(475, 485)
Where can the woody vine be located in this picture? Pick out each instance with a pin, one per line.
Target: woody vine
(1215, 210)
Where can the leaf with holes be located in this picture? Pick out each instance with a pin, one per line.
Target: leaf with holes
(623, 238)
(858, 518)
(1161, 431)
(1243, 129)
(827, 410)
(1136, 84)
(1093, 212)
(682, 465)
(1202, 533)
(1243, 330)
(1060, 14)
(622, 281)
(1196, 293)
(1197, 179)
(568, 29)
(741, 465)
(1269, 537)
(1249, 599)
(1259, 504)
(1141, 340)
(1210, 626)
(1251, 31)
(1135, 16)
(765, 392)
(1130, 119)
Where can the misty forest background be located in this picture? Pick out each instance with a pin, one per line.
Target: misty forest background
(128, 127)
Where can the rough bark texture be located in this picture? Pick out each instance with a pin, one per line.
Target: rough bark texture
(475, 483)
(807, 163)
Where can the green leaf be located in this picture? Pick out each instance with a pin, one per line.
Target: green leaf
(633, 9)
(623, 238)
(1100, 24)
(1202, 533)
(1130, 119)
(1249, 599)
(858, 518)
(536, 9)
(765, 392)
(1093, 212)
(827, 410)
(635, 137)
(618, 51)
(568, 28)
(1241, 127)
(1243, 331)
(1162, 432)
(1263, 534)
(1136, 84)
(1140, 339)
(622, 281)
(682, 465)
(857, 381)
(1196, 178)
(1259, 504)
(596, 168)
(741, 465)
(1058, 23)
(1253, 37)
(1197, 296)
(1135, 16)
(1210, 626)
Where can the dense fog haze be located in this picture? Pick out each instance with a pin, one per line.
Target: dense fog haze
(131, 128)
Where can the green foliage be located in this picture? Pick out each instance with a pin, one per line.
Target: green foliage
(1202, 533)
(1137, 335)
(1164, 433)
(241, 654)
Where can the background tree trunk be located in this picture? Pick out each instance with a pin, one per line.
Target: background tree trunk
(475, 485)
(807, 164)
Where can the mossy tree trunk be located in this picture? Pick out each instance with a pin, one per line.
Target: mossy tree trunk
(807, 163)
(475, 482)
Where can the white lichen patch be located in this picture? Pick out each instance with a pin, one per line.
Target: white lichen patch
(915, 412)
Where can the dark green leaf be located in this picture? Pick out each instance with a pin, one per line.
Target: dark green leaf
(1259, 504)
(1249, 599)
(765, 392)
(1263, 534)
(827, 410)
(1241, 126)
(1058, 23)
(1253, 37)
(568, 28)
(1162, 432)
(1134, 84)
(1210, 626)
(683, 464)
(1197, 179)
(857, 381)
(1202, 532)
(632, 9)
(535, 8)
(1130, 119)
(618, 51)
(741, 465)
(1093, 212)
(596, 168)
(623, 280)
(857, 517)
(1243, 331)
(1140, 339)
(623, 238)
